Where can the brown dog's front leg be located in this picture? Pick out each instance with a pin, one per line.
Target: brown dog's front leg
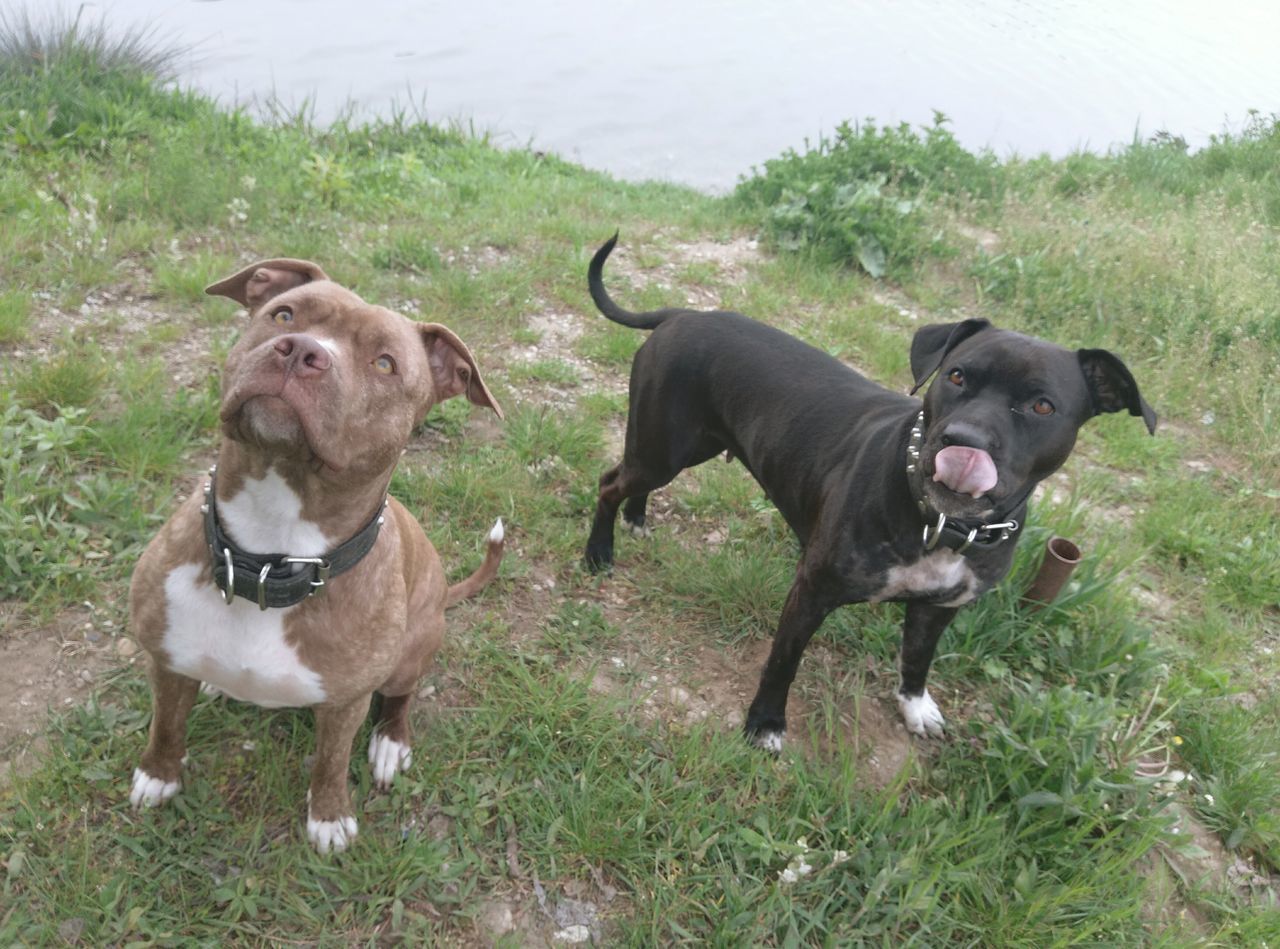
(331, 822)
(921, 629)
(159, 774)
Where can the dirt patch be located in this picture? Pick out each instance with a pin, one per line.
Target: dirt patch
(48, 668)
(476, 259)
(687, 685)
(727, 262)
(549, 372)
(123, 322)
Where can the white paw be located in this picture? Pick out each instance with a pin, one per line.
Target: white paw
(638, 530)
(769, 741)
(330, 835)
(921, 715)
(211, 690)
(147, 791)
(387, 757)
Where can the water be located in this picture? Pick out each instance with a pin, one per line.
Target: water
(699, 91)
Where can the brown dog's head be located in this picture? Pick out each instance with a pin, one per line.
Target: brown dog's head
(322, 377)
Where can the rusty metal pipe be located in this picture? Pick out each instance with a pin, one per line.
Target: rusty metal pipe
(1060, 559)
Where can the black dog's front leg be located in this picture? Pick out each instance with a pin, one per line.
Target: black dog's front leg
(921, 630)
(806, 607)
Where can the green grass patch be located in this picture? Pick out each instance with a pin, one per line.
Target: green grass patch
(547, 766)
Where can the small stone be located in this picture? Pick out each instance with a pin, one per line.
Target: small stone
(497, 919)
(69, 930)
(573, 934)
(126, 647)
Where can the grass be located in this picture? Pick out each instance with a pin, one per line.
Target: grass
(577, 748)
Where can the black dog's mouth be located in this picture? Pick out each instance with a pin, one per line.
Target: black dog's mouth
(961, 482)
(965, 471)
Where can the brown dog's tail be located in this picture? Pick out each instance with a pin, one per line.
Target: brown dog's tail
(637, 321)
(484, 573)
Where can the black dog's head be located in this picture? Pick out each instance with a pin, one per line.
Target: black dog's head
(1003, 412)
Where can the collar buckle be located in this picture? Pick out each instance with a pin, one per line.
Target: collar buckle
(321, 573)
(277, 580)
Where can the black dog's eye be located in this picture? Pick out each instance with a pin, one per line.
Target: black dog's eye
(1043, 407)
(956, 377)
(283, 315)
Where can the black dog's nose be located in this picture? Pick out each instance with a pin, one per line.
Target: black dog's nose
(966, 435)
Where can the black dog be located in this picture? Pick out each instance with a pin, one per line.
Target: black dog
(891, 499)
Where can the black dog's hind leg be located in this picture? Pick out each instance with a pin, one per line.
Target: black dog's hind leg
(617, 484)
(632, 480)
(921, 630)
(807, 606)
(633, 512)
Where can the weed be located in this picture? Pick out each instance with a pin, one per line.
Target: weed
(857, 197)
(15, 316)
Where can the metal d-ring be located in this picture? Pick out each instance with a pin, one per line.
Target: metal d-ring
(967, 541)
(937, 533)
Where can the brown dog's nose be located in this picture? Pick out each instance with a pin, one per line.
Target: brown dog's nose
(303, 355)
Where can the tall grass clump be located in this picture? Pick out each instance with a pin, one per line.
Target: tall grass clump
(71, 83)
(859, 197)
(1168, 257)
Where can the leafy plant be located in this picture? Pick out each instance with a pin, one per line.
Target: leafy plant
(857, 197)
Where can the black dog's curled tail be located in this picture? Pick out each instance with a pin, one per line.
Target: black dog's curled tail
(639, 321)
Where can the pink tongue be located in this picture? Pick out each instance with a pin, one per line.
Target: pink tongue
(965, 470)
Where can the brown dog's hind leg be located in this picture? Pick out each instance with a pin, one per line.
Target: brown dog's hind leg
(389, 748)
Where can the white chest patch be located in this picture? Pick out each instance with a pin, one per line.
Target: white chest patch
(238, 647)
(938, 572)
(265, 517)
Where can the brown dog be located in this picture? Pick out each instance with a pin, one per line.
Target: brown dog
(292, 579)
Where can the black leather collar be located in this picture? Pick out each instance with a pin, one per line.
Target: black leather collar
(953, 533)
(277, 580)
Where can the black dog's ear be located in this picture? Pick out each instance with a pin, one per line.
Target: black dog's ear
(932, 343)
(1112, 387)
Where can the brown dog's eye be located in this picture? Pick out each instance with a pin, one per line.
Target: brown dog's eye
(385, 364)
(1043, 407)
(956, 377)
(283, 315)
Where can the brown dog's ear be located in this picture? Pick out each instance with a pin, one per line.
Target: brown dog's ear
(1112, 386)
(931, 344)
(257, 284)
(453, 368)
